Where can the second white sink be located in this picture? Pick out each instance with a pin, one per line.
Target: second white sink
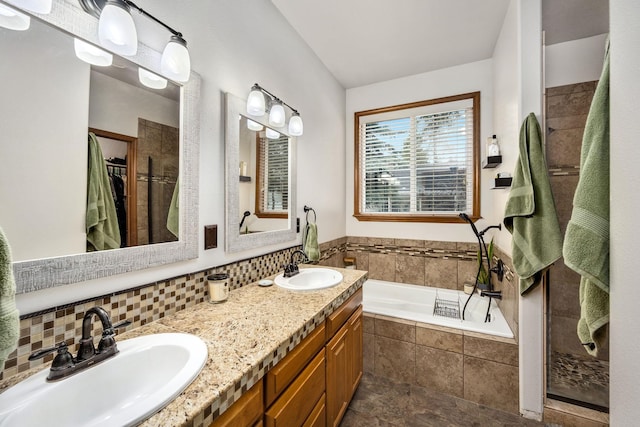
(309, 279)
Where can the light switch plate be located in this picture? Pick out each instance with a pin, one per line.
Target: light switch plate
(210, 237)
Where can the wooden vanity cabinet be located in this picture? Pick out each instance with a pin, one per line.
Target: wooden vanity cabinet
(313, 385)
(344, 367)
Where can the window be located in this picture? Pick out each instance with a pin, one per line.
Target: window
(272, 186)
(418, 162)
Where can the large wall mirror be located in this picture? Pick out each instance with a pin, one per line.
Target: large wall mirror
(260, 180)
(148, 140)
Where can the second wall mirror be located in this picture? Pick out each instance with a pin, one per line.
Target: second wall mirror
(260, 175)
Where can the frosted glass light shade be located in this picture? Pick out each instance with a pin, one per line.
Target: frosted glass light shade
(13, 20)
(276, 115)
(295, 125)
(151, 80)
(91, 54)
(37, 6)
(116, 29)
(254, 126)
(255, 102)
(272, 134)
(176, 63)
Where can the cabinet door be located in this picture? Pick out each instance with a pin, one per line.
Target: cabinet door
(355, 351)
(245, 412)
(338, 378)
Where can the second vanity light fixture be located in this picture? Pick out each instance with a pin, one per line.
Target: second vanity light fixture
(117, 32)
(260, 100)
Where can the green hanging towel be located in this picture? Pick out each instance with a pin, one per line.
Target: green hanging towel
(586, 244)
(102, 227)
(9, 316)
(311, 247)
(530, 213)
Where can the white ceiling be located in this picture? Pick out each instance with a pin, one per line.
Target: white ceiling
(368, 41)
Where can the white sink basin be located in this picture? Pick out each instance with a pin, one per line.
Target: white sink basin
(147, 374)
(310, 279)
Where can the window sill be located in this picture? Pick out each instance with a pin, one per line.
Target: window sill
(453, 219)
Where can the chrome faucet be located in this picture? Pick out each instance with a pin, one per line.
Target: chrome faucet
(64, 364)
(291, 269)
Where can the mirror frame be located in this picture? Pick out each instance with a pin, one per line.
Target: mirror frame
(38, 274)
(234, 241)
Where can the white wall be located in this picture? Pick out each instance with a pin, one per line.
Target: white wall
(625, 204)
(233, 45)
(574, 61)
(436, 84)
(42, 206)
(518, 92)
(115, 106)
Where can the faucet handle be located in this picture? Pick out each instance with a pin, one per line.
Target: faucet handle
(41, 353)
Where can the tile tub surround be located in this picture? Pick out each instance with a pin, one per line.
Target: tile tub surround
(468, 365)
(431, 263)
(141, 305)
(245, 337)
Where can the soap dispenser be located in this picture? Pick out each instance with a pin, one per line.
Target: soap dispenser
(493, 149)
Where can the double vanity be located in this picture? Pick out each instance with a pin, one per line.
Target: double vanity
(276, 357)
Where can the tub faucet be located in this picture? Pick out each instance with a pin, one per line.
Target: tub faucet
(491, 294)
(64, 364)
(291, 269)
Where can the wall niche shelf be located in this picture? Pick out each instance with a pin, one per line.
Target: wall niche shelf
(491, 162)
(502, 183)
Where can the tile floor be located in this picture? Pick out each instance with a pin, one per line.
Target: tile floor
(380, 402)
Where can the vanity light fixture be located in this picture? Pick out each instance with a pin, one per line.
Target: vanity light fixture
(151, 80)
(12, 19)
(116, 29)
(38, 6)
(295, 124)
(276, 114)
(91, 54)
(272, 134)
(117, 32)
(254, 125)
(257, 101)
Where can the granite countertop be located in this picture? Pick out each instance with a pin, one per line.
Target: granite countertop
(245, 336)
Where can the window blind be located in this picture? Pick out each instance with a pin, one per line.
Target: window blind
(418, 161)
(273, 167)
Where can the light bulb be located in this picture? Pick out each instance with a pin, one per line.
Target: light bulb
(276, 115)
(254, 126)
(272, 134)
(151, 80)
(295, 125)
(37, 6)
(116, 29)
(255, 102)
(176, 63)
(13, 20)
(91, 54)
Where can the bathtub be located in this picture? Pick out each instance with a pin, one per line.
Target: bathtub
(416, 303)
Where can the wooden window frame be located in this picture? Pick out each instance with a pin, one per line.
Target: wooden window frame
(259, 212)
(416, 217)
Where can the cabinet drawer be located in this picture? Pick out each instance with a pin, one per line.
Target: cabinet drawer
(295, 405)
(318, 417)
(342, 313)
(278, 378)
(245, 412)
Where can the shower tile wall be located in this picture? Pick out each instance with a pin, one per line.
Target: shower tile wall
(161, 143)
(572, 373)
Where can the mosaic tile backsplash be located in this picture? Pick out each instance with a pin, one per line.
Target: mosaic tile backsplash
(443, 264)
